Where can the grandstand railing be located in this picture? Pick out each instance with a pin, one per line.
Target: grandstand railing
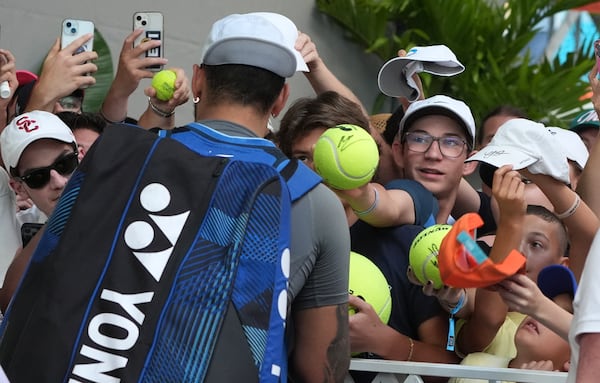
(410, 372)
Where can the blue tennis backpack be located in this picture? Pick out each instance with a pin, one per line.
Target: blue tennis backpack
(165, 260)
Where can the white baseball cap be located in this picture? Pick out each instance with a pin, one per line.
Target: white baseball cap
(523, 143)
(27, 128)
(260, 39)
(440, 105)
(573, 145)
(395, 76)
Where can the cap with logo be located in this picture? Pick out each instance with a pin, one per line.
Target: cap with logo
(441, 105)
(588, 119)
(260, 39)
(395, 76)
(27, 128)
(524, 144)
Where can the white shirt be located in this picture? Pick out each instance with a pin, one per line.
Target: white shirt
(10, 238)
(586, 305)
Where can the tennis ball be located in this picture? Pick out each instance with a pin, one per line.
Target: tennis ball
(346, 156)
(164, 83)
(368, 283)
(423, 254)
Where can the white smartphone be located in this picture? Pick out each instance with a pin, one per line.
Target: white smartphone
(72, 29)
(152, 24)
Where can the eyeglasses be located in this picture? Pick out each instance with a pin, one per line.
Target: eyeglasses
(450, 147)
(39, 177)
(70, 103)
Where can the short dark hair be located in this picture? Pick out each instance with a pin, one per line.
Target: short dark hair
(392, 125)
(548, 216)
(84, 120)
(326, 110)
(242, 84)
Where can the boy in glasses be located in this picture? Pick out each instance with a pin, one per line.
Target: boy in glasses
(40, 154)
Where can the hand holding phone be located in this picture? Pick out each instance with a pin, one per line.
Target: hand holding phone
(152, 25)
(72, 29)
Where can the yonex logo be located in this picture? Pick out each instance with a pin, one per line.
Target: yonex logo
(112, 334)
(139, 234)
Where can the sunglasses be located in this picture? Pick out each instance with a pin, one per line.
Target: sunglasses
(39, 177)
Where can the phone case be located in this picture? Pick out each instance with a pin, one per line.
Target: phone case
(152, 24)
(28, 230)
(72, 29)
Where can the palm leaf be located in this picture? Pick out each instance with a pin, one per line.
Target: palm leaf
(94, 95)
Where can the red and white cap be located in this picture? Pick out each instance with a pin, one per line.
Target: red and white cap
(27, 128)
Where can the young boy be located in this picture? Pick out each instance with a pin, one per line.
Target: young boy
(540, 345)
(40, 154)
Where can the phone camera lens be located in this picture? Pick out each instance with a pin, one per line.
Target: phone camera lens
(73, 30)
(144, 22)
(138, 18)
(69, 24)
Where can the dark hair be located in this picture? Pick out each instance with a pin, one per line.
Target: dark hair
(392, 125)
(324, 111)
(550, 217)
(501, 110)
(91, 121)
(242, 84)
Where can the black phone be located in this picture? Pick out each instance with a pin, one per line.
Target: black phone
(28, 230)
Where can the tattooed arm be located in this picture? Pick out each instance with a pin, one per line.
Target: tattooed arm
(322, 351)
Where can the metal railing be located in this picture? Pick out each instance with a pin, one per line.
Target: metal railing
(410, 372)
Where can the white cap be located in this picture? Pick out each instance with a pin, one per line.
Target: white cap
(573, 145)
(524, 144)
(261, 39)
(27, 128)
(440, 105)
(395, 76)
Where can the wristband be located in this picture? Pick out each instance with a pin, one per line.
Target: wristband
(370, 208)
(570, 211)
(158, 111)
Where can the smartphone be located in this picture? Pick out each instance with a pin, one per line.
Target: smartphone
(597, 53)
(72, 29)
(28, 230)
(152, 24)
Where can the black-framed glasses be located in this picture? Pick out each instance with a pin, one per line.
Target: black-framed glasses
(450, 146)
(38, 178)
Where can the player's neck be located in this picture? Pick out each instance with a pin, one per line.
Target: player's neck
(241, 115)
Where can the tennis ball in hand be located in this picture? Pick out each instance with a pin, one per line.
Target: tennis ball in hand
(368, 283)
(164, 83)
(423, 254)
(346, 156)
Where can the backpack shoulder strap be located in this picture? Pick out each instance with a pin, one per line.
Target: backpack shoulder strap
(299, 178)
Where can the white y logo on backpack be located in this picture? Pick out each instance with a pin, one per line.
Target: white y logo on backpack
(154, 198)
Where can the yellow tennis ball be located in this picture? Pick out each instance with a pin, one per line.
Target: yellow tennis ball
(164, 83)
(368, 283)
(423, 254)
(346, 156)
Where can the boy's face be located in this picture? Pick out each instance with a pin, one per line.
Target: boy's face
(40, 154)
(541, 244)
(85, 139)
(302, 149)
(437, 173)
(536, 342)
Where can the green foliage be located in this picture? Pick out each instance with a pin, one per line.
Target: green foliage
(488, 37)
(94, 95)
